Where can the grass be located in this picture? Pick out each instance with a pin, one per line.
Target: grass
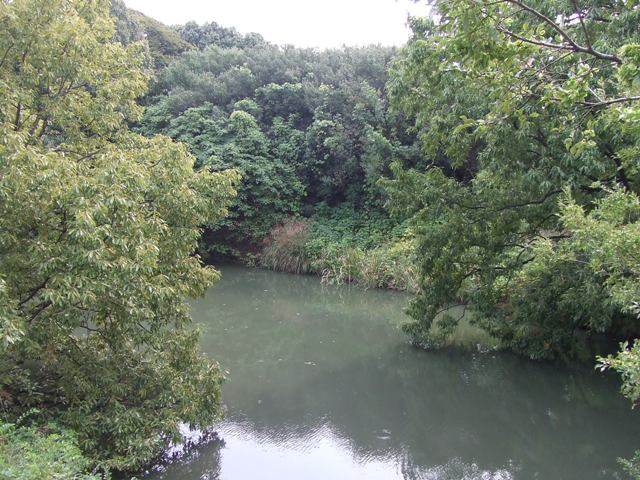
(342, 247)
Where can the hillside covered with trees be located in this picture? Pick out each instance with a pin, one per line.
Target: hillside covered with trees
(311, 134)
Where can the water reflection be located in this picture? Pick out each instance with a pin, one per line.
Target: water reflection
(323, 385)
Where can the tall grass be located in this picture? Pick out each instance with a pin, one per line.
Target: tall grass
(292, 247)
(284, 248)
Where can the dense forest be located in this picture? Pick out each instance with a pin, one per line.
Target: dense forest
(311, 133)
(492, 162)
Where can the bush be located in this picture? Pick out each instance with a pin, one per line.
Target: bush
(31, 453)
(390, 265)
(284, 249)
(343, 246)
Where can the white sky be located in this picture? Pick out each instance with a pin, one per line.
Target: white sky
(316, 23)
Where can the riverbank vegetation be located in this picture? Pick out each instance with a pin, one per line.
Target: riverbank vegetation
(99, 228)
(532, 110)
(310, 133)
(45, 451)
(492, 162)
(344, 246)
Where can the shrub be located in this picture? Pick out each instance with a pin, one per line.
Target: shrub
(31, 453)
(344, 247)
(284, 249)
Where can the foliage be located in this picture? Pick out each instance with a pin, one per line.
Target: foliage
(627, 364)
(284, 250)
(315, 125)
(31, 453)
(515, 102)
(97, 236)
(302, 127)
(632, 466)
(390, 265)
(353, 227)
(344, 246)
(210, 33)
(610, 236)
(270, 190)
(128, 30)
(164, 42)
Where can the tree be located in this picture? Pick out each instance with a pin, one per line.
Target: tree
(269, 190)
(97, 236)
(164, 42)
(203, 36)
(317, 111)
(517, 102)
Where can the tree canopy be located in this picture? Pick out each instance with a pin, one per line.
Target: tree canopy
(529, 110)
(97, 239)
(303, 127)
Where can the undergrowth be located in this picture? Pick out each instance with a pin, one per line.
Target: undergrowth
(344, 246)
(39, 452)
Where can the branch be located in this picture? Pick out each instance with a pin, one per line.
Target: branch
(595, 95)
(539, 43)
(572, 45)
(39, 309)
(532, 202)
(621, 174)
(611, 102)
(34, 292)
(17, 119)
(449, 307)
(545, 19)
(88, 328)
(545, 66)
(4, 57)
(584, 27)
(45, 124)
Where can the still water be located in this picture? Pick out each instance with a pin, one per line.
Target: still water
(323, 385)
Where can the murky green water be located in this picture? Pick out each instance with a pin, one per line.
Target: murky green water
(323, 385)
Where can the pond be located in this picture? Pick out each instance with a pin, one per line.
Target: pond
(324, 385)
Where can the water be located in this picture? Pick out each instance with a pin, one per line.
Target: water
(323, 385)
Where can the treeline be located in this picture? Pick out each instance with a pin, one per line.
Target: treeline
(302, 127)
(311, 134)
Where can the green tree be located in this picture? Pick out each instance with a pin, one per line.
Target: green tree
(284, 101)
(516, 102)
(97, 234)
(164, 42)
(269, 190)
(203, 36)
(317, 109)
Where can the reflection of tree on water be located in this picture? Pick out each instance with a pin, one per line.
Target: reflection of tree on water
(198, 458)
(491, 411)
(455, 469)
(253, 283)
(310, 363)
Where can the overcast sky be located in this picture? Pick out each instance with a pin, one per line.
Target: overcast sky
(316, 23)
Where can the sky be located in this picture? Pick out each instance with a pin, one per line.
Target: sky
(317, 23)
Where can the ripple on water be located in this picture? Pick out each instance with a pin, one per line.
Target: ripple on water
(336, 392)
